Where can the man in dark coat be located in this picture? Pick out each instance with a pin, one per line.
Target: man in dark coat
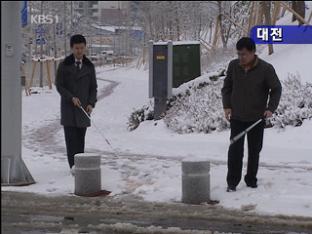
(77, 85)
(248, 84)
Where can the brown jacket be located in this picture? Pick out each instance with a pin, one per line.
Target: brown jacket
(246, 93)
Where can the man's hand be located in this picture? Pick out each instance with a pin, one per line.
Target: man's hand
(267, 114)
(228, 113)
(76, 101)
(89, 109)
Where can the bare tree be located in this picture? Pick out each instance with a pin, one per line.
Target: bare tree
(299, 7)
(266, 6)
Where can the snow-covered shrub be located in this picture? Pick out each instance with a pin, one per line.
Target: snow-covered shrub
(196, 106)
(140, 115)
(198, 109)
(183, 93)
(295, 104)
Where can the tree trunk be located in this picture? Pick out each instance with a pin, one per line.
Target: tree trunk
(266, 6)
(222, 30)
(299, 7)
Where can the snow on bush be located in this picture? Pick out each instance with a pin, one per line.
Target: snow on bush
(140, 115)
(196, 106)
(296, 103)
(197, 109)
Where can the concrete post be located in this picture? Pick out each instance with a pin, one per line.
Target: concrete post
(13, 168)
(195, 182)
(87, 173)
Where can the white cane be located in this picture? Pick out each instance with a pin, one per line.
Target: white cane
(238, 136)
(102, 134)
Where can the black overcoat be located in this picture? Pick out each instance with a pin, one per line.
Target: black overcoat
(72, 82)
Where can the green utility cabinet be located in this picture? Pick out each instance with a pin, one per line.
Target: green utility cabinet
(170, 65)
(186, 62)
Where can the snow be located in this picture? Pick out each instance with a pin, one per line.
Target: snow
(149, 158)
(284, 57)
(197, 106)
(101, 46)
(204, 78)
(128, 227)
(149, 163)
(177, 42)
(114, 28)
(291, 58)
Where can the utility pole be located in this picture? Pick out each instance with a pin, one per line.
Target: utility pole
(41, 48)
(65, 31)
(90, 45)
(31, 33)
(13, 168)
(54, 46)
(114, 52)
(35, 37)
(71, 17)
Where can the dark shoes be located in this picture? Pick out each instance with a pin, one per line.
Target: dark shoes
(251, 184)
(72, 170)
(231, 189)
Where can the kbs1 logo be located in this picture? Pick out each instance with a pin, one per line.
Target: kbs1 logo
(44, 19)
(282, 34)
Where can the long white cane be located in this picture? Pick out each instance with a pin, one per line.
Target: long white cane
(100, 132)
(238, 136)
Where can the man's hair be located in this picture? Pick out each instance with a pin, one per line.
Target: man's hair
(246, 42)
(77, 39)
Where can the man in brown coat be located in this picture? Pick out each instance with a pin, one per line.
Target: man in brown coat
(248, 84)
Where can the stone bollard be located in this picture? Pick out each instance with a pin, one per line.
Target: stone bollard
(195, 182)
(87, 173)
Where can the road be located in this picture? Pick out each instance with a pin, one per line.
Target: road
(32, 213)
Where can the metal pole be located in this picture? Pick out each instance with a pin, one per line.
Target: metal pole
(30, 49)
(54, 46)
(150, 69)
(13, 168)
(71, 17)
(65, 33)
(114, 52)
(170, 69)
(31, 32)
(35, 36)
(41, 50)
(238, 136)
(90, 45)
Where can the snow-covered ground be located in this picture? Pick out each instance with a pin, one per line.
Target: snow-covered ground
(291, 58)
(149, 162)
(149, 158)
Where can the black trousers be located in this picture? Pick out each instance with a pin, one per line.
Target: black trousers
(236, 152)
(75, 142)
